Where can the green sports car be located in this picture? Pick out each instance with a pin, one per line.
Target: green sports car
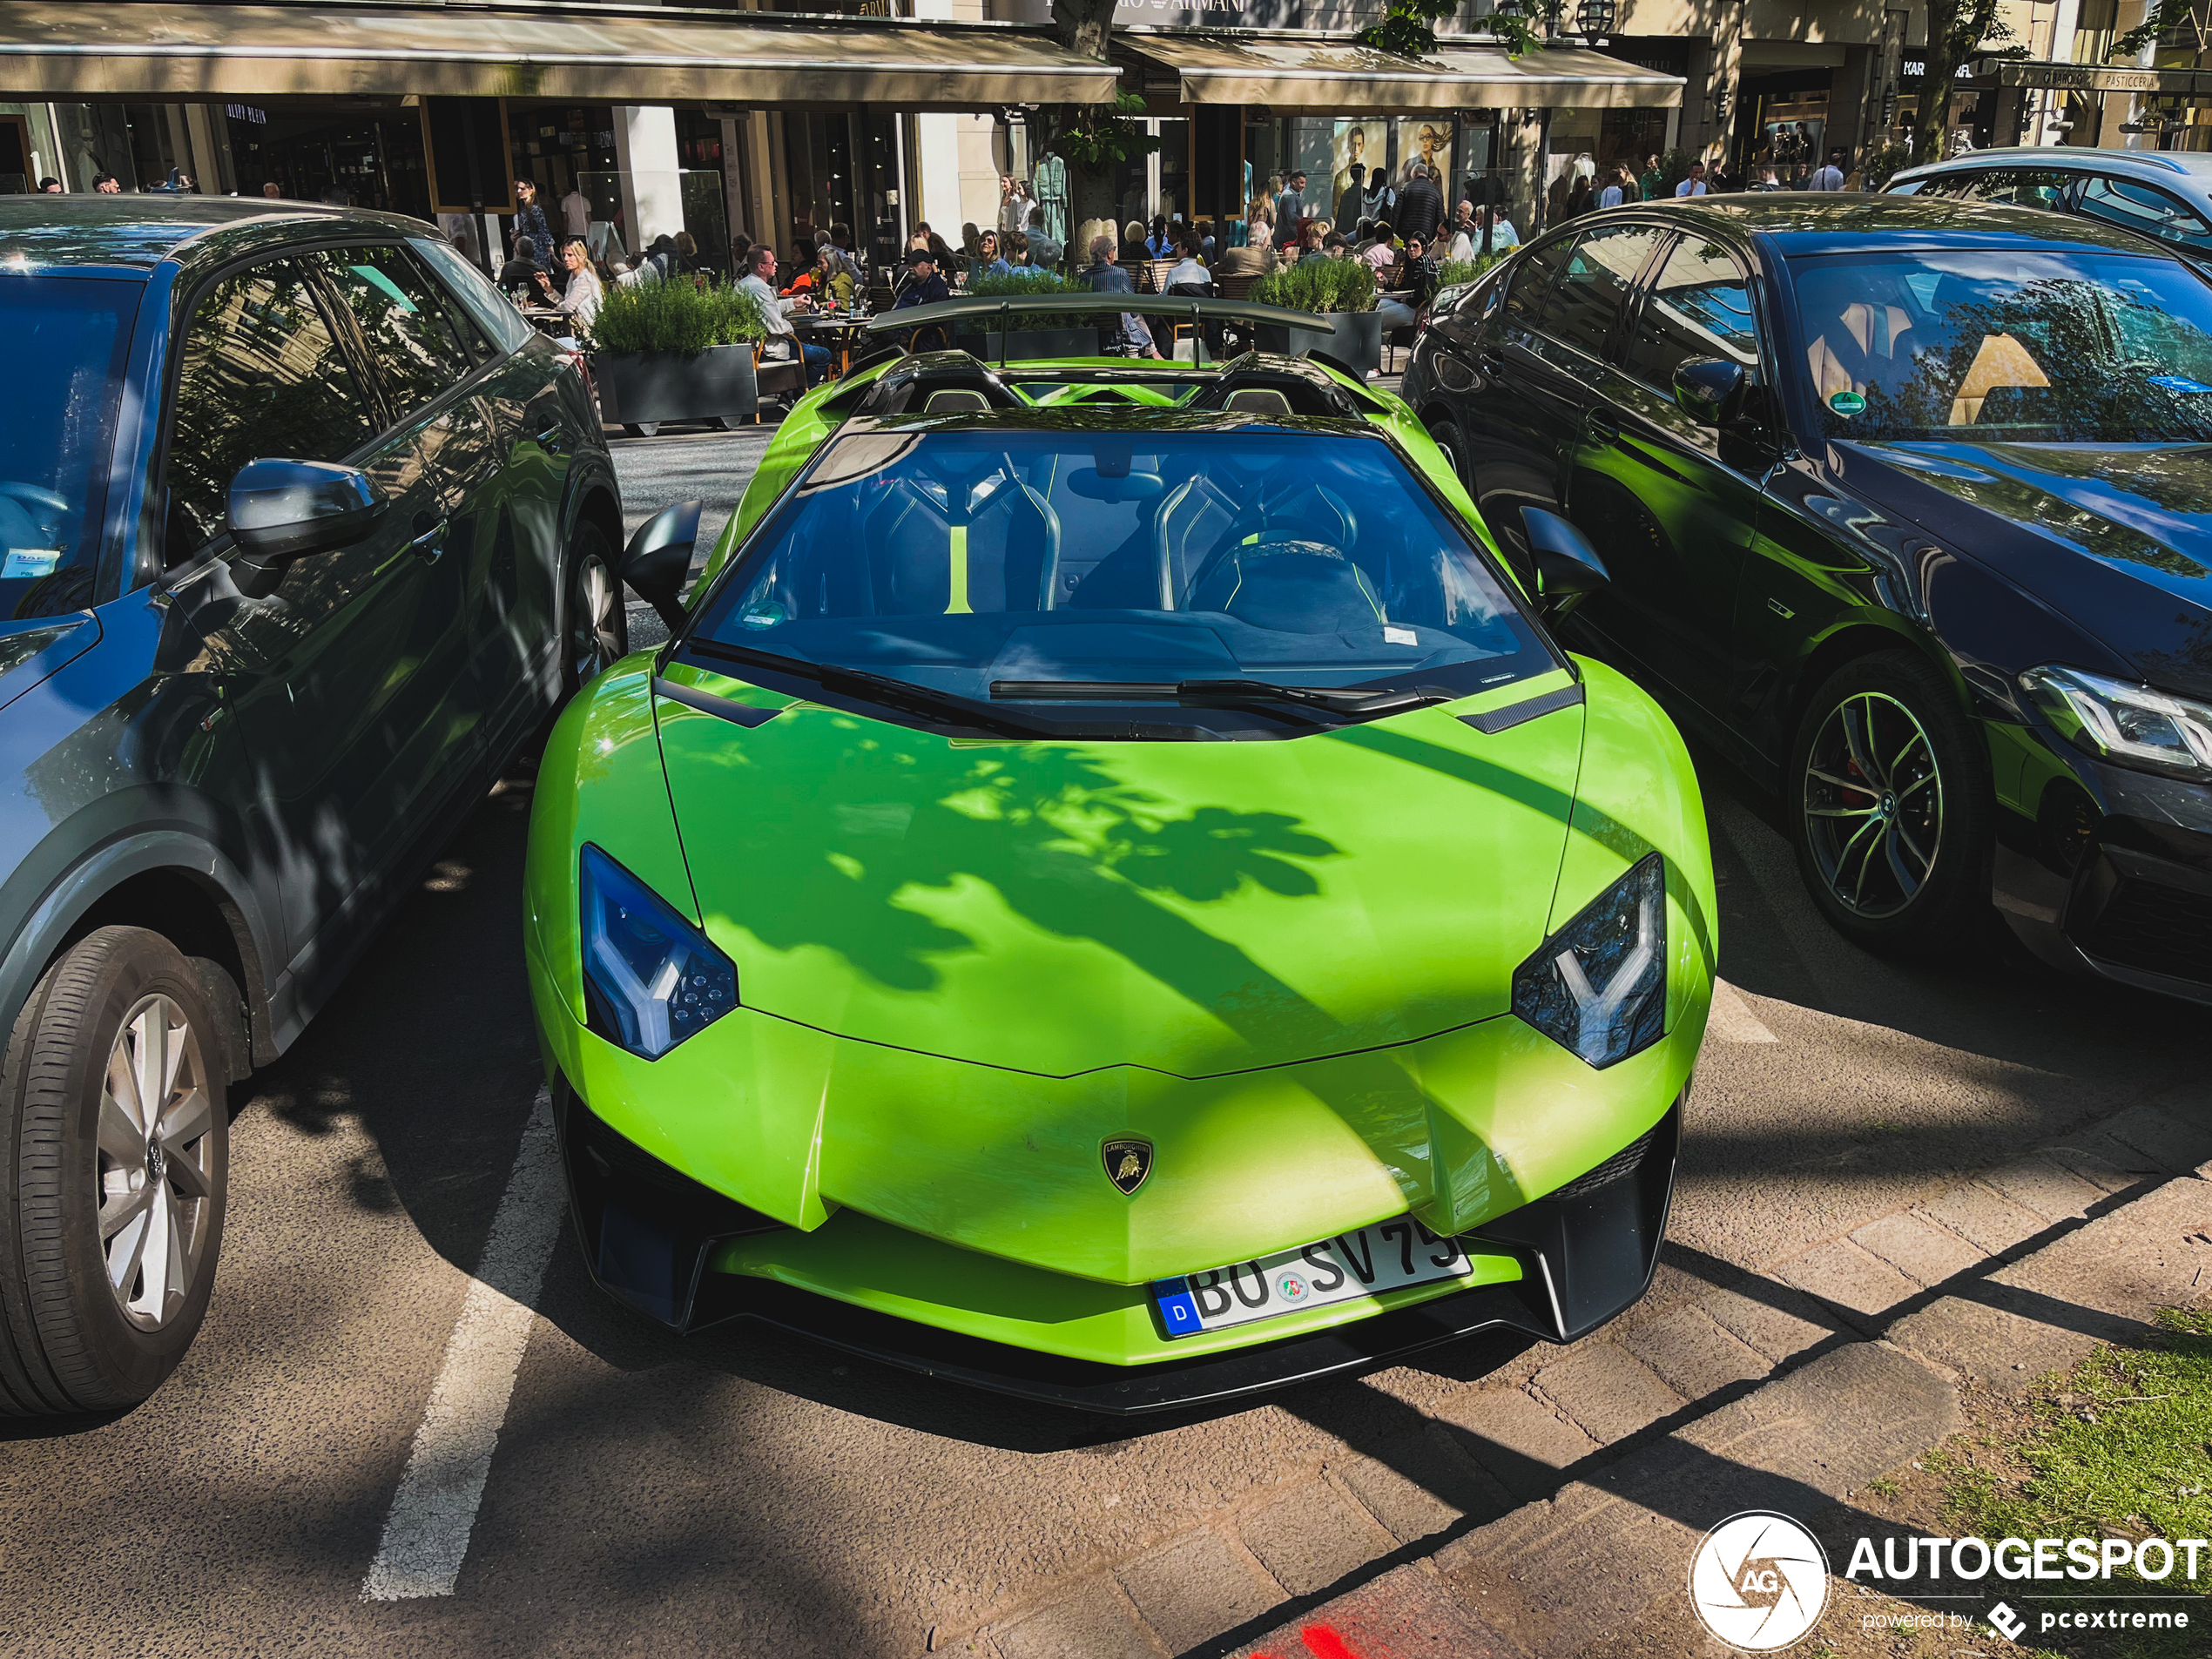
(1112, 893)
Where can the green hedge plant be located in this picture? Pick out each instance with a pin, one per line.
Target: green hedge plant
(1031, 281)
(678, 315)
(1318, 286)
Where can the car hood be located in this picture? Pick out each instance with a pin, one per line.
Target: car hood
(2114, 537)
(1056, 907)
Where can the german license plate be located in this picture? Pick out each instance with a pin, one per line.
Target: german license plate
(1385, 1256)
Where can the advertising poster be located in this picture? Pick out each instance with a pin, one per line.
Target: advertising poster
(1359, 141)
(1424, 139)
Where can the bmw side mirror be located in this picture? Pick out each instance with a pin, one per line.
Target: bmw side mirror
(658, 563)
(1567, 567)
(284, 510)
(1709, 390)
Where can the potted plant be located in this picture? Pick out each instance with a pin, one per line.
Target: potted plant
(678, 350)
(1034, 335)
(1341, 290)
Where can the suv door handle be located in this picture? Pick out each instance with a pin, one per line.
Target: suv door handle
(1599, 428)
(431, 542)
(551, 440)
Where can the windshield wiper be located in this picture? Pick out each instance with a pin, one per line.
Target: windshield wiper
(1337, 701)
(877, 688)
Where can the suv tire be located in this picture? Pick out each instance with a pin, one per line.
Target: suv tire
(595, 625)
(111, 1212)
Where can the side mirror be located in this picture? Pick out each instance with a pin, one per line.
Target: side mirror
(658, 563)
(1567, 567)
(284, 510)
(1708, 390)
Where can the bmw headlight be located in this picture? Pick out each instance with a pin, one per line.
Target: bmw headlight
(2132, 725)
(651, 979)
(1598, 987)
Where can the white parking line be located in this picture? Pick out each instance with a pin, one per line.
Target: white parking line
(1731, 1020)
(426, 1535)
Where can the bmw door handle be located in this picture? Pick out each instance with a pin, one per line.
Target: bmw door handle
(431, 541)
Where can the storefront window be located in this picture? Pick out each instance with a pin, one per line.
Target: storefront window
(355, 159)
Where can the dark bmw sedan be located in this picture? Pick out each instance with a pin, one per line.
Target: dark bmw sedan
(1904, 506)
(304, 530)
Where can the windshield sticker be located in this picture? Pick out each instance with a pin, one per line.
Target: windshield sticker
(1847, 403)
(1400, 636)
(30, 561)
(2178, 383)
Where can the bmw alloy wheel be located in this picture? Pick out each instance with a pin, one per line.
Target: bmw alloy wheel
(1874, 804)
(157, 1170)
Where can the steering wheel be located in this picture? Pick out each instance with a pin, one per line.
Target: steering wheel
(36, 496)
(1254, 522)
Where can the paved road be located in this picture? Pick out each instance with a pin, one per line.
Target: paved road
(746, 1491)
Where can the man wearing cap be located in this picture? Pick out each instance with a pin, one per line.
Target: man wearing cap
(529, 218)
(924, 286)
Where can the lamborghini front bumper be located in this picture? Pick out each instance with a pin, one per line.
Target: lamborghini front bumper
(690, 1257)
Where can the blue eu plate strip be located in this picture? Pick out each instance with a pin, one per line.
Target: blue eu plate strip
(1177, 1312)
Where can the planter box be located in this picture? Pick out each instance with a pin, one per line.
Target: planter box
(1033, 343)
(1356, 342)
(639, 390)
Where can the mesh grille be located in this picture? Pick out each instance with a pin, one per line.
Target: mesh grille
(2156, 929)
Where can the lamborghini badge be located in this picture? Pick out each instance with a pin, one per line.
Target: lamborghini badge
(1127, 1163)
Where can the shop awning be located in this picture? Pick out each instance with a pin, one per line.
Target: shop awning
(606, 55)
(1289, 74)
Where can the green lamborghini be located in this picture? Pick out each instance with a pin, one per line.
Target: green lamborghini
(1112, 893)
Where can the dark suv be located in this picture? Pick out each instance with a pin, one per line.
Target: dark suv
(304, 530)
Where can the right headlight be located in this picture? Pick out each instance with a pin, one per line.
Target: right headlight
(2131, 725)
(651, 979)
(1598, 987)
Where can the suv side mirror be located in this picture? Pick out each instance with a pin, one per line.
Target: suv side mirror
(658, 563)
(1567, 567)
(284, 510)
(1709, 390)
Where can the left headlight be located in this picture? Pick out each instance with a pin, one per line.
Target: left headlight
(1598, 987)
(651, 979)
(2132, 725)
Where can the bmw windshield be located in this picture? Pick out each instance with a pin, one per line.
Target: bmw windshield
(1247, 583)
(2008, 347)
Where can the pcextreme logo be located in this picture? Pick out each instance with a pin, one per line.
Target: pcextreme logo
(1759, 1581)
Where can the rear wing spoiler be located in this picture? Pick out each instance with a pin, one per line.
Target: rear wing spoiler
(1000, 307)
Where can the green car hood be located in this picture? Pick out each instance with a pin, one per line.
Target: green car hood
(1198, 908)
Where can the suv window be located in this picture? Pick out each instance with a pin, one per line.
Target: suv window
(414, 339)
(1601, 271)
(1532, 278)
(2144, 208)
(1700, 307)
(261, 375)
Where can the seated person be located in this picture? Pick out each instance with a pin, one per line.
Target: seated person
(783, 341)
(519, 276)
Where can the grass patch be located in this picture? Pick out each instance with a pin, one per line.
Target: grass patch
(2122, 1448)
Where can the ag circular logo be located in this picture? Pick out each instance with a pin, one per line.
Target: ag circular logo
(1759, 1581)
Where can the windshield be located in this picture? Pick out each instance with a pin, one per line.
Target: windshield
(66, 337)
(2009, 346)
(1030, 568)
